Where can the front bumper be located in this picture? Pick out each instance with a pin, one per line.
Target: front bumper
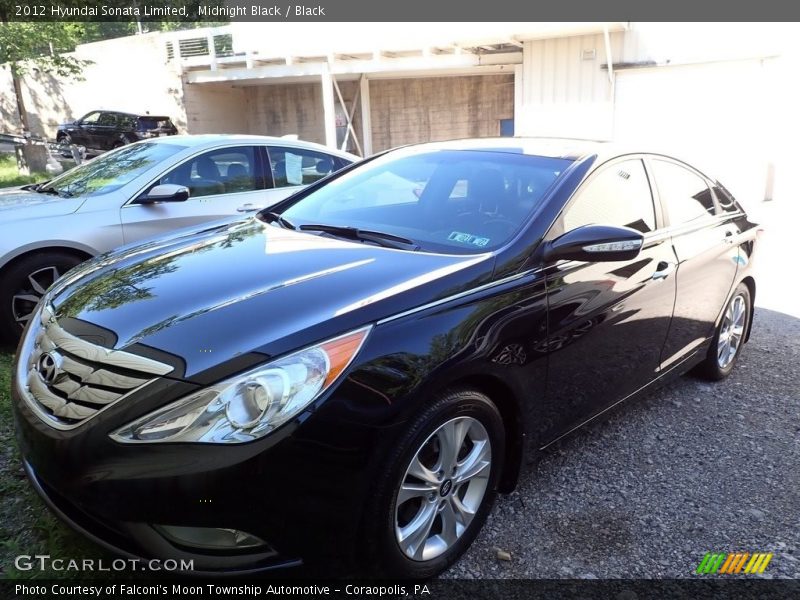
(300, 490)
(141, 542)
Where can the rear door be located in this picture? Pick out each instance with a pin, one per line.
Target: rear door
(607, 321)
(106, 133)
(292, 168)
(222, 182)
(707, 256)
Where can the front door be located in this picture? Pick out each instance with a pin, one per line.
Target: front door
(607, 321)
(222, 182)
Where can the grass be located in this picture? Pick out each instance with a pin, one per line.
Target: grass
(10, 177)
(27, 527)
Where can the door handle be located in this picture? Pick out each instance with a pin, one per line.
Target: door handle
(663, 269)
(248, 208)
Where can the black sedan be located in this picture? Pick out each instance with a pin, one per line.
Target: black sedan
(355, 374)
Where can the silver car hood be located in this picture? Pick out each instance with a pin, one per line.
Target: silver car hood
(17, 204)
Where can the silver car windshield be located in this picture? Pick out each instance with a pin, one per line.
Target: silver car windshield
(110, 171)
(455, 201)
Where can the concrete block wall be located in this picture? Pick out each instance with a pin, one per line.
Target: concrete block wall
(295, 109)
(407, 111)
(215, 108)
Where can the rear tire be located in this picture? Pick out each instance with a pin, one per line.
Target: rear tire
(23, 285)
(726, 346)
(417, 526)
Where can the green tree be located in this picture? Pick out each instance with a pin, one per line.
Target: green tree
(44, 46)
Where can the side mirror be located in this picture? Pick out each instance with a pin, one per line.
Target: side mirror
(166, 192)
(595, 243)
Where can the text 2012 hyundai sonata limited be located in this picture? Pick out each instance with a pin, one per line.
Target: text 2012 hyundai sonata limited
(355, 374)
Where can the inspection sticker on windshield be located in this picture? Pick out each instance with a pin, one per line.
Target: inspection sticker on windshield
(467, 238)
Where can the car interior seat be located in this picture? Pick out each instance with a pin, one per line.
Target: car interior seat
(487, 190)
(208, 181)
(238, 178)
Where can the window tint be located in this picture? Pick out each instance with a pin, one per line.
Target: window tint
(298, 166)
(147, 123)
(107, 120)
(452, 201)
(127, 121)
(684, 194)
(226, 170)
(618, 195)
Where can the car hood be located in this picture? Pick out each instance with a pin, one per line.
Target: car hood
(251, 289)
(17, 204)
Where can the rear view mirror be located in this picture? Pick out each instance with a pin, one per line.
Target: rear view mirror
(166, 192)
(595, 243)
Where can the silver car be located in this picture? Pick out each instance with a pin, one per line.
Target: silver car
(136, 192)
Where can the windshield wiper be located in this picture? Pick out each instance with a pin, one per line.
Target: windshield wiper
(35, 187)
(284, 222)
(381, 238)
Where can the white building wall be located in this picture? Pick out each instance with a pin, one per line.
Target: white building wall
(565, 92)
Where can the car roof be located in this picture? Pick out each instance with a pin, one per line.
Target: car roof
(217, 139)
(567, 148)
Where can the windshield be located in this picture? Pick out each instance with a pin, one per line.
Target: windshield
(461, 201)
(110, 171)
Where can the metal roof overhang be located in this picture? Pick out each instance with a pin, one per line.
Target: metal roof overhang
(302, 52)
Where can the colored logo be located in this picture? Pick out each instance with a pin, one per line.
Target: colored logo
(733, 563)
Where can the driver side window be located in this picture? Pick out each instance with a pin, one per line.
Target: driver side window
(618, 195)
(219, 171)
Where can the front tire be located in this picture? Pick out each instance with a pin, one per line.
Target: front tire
(64, 142)
(438, 487)
(23, 285)
(729, 337)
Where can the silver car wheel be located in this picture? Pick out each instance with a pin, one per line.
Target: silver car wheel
(443, 488)
(24, 302)
(731, 331)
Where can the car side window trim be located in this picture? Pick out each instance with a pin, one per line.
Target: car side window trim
(703, 220)
(265, 167)
(557, 226)
(153, 182)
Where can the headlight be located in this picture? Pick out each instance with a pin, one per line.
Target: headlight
(251, 405)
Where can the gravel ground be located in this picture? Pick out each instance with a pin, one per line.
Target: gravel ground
(692, 468)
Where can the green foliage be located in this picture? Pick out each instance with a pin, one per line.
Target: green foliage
(41, 45)
(10, 177)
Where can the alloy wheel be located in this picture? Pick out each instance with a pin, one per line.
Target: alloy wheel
(442, 488)
(731, 331)
(24, 302)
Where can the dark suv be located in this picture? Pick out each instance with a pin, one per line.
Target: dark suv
(105, 130)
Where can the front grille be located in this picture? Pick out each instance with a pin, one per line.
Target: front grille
(70, 380)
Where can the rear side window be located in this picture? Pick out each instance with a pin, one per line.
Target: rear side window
(618, 195)
(298, 166)
(150, 123)
(107, 120)
(684, 194)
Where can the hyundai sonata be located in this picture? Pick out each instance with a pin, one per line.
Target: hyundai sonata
(356, 372)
